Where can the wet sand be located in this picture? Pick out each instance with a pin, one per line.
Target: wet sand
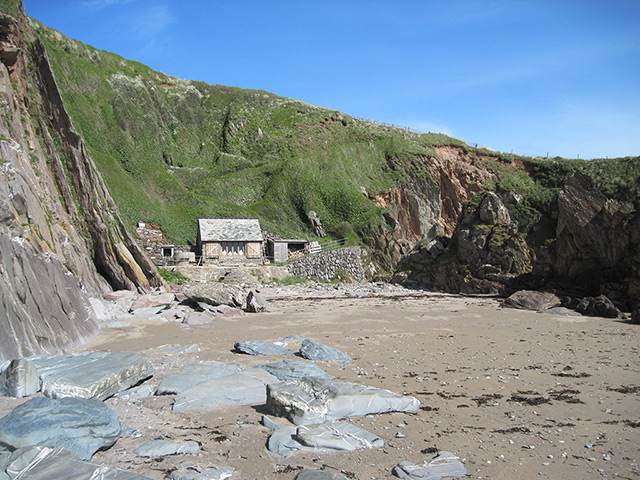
(515, 394)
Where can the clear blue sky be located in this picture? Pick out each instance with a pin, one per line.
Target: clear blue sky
(532, 76)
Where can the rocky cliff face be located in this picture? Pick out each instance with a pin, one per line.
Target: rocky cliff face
(61, 239)
(582, 243)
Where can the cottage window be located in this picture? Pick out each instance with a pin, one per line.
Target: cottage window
(233, 249)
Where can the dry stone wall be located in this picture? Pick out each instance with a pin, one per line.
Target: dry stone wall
(326, 265)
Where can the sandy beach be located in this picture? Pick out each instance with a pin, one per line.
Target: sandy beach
(515, 394)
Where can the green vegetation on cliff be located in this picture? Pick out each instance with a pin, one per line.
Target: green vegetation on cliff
(172, 150)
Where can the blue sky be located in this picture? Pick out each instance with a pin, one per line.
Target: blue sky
(533, 76)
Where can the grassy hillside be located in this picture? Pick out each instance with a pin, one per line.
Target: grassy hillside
(172, 150)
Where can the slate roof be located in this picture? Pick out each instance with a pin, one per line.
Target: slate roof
(230, 230)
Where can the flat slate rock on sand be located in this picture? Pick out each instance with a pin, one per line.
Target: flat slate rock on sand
(312, 401)
(444, 465)
(295, 370)
(311, 474)
(287, 440)
(161, 448)
(97, 375)
(312, 350)
(258, 347)
(188, 472)
(82, 426)
(195, 373)
(44, 463)
(243, 388)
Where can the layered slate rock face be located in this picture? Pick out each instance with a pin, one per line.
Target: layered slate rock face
(96, 375)
(44, 463)
(82, 426)
(312, 401)
(60, 234)
(31, 284)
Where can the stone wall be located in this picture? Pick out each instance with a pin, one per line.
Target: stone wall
(325, 265)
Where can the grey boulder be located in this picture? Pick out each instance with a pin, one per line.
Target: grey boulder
(161, 448)
(444, 465)
(80, 425)
(312, 400)
(256, 303)
(599, 306)
(243, 388)
(19, 379)
(258, 347)
(312, 350)
(532, 300)
(44, 463)
(97, 375)
(215, 294)
(294, 370)
(193, 374)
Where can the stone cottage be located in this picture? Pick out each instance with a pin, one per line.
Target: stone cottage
(224, 240)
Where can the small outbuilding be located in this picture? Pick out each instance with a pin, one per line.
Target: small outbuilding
(230, 240)
(283, 250)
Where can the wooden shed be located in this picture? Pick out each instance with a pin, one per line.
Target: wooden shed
(230, 240)
(282, 250)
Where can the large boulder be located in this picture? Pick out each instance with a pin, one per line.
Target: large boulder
(599, 306)
(91, 374)
(215, 294)
(532, 300)
(82, 426)
(256, 303)
(313, 400)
